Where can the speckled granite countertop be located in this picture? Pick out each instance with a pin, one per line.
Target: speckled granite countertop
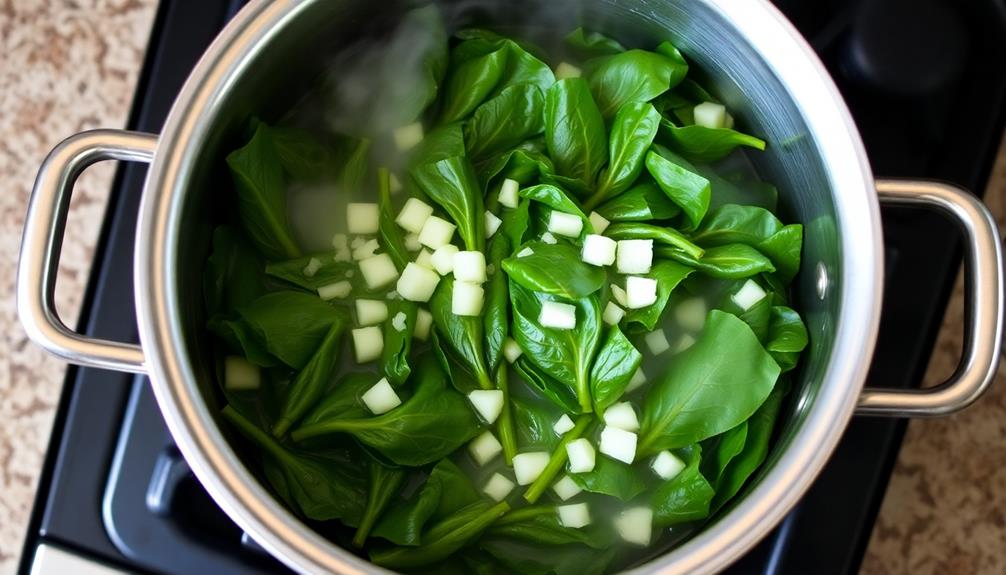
(69, 66)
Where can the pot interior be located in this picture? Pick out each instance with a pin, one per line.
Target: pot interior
(290, 57)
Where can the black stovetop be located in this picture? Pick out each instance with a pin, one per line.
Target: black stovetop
(925, 82)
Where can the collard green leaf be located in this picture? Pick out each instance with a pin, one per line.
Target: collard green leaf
(709, 388)
(291, 325)
(398, 343)
(555, 269)
(684, 498)
(464, 335)
(233, 276)
(661, 234)
(564, 354)
(610, 477)
(452, 184)
(632, 133)
(787, 337)
(311, 382)
(616, 362)
(643, 202)
(732, 261)
(574, 131)
(505, 121)
(425, 428)
(592, 44)
(261, 195)
(668, 275)
(702, 144)
(495, 312)
(685, 188)
(632, 76)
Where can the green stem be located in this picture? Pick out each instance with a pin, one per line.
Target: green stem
(557, 461)
(505, 428)
(583, 393)
(595, 200)
(524, 513)
(252, 432)
(326, 427)
(383, 484)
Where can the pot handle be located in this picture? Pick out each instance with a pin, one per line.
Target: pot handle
(42, 241)
(984, 304)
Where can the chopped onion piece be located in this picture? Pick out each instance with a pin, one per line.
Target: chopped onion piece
(667, 465)
(407, 137)
(525, 252)
(563, 425)
(467, 299)
(637, 381)
(485, 448)
(335, 290)
(581, 455)
(509, 193)
(684, 342)
(424, 321)
(634, 256)
(492, 224)
(598, 222)
(657, 342)
(436, 232)
(394, 184)
(400, 321)
(635, 525)
(548, 238)
(565, 224)
(710, 115)
(640, 292)
(620, 296)
(412, 242)
(312, 267)
(370, 311)
(487, 402)
(241, 374)
(598, 250)
(425, 259)
(511, 350)
(378, 271)
(613, 314)
(368, 343)
(470, 267)
(566, 488)
(691, 313)
(340, 241)
(414, 214)
(381, 398)
(618, 444)
(557, 315)
(622, 416)
(443, 259)
(363, 218)
(574, 516)
(528, 466)
(366, 249)
(566, 70)
(749, 294)
(498, 487)
(417, 282)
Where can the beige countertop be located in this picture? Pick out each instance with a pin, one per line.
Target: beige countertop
(70, 66)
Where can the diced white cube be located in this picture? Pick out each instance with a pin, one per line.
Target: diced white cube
(363, 218)
(618, 444)
(487, 402)
(485, 448)
(563, 424)
(241, 374)
(312, 267)
(528, 466)
(378, 271)
(637, 381)
(667, 465)
(467, 299)
(414, 214)
(613, 314)
(492, 224)
(400, 321)
(598, 222)
(511, 350)
(566, 70)
(598, 250)
(557, 315)
(574, 516)
(407, 137)
(443, 259)
(368, 343)
(710, 115)
(635, 525)
(509, 193)
(417, 282)
(640, 292)
(357, 242)
(684, 342)
(525, 252)
(749, 294)
(566, 488)
(370, 311)
(343, 255)
(412, 242)
(394, 184)
(619, 294)
(470, 267)
(548, 238)
(657, 342)
(366, 249)
(622, 416)
(581, 455)
(425, 259)
(381, 398)
(498, 487)
(340, 241)
(634, 256)
(424, 321)
(691, 313)
(335, 290)
(436, 232)
(565, 224)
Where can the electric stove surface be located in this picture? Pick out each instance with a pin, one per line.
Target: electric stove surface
(116, 493)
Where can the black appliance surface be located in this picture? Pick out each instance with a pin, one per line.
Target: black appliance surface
(916, 75)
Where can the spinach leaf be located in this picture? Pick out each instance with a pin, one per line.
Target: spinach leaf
(787, 337)
(558, 393)
(443, 538)
(452, 184)
(391, 235)
(574, 131)
(384, 484)
(722, 449)
(540, 524)
(531, 559)
(464, 334)
(632, 133)
(668, 275)
(662, 234)
(291, 325)
(239, 338)
(311, 382)
(398, 344)
(755, 450)
(535, 420)
(757, 316)
(261, 195)
(702, 144)
(233, 275)
(523, 164)
(642, 202)
(524, 67)
(516, 223)
(565, 355)
(709, 388)
(685, 188)
(738, 188)
(495, 313)
(684, 498)
(610, 477)
(505, 121)
(732, 261)
(443, 142)
(555, 269)
(553, 197)
(592, 44)
(737, 224)
(427, 427)
(316, 486)
(331, 271)
(303, 155)
(783, 248)
(632, 76)
(343, 400)
(616, 362)
(669, 51)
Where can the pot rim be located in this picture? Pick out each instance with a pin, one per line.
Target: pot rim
(248, 503)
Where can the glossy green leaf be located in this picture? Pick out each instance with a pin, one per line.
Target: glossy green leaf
(343, 400)
(476, 67)
(610, 477)
(660, 234)
(291, 325)
(524, 164)
(632, 76)
(534, 422)
(331, 271)
(643, 202)
(668, 275)
(555, 269)
(553, 197)
(702, 144)
(732, 261)
(558, 393)
(588, 44)
(783, 248)
(616, 362)
(452, 184)
(685, 188)
(720, 450)
(540, 524)
(495, 311)
(736, 224)
(632, 133)
(383, 486)
(684, 498)
(305, 157)
(463, 334)
(787, 337)
(443, 142)
(311, 382)
(574, 131)
(505, 121)
(390, 233)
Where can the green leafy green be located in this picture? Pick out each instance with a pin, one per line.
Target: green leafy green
(588, 44)
(540, 524)
(702, 144)
(732, 261)
(524, 164)
(685, 188)
(505, 121)
(233, 276)
(632, 76)
(398, 343)
(664, 235)
(391, 235)
(311, 382)
(616, 362)
(722, 449)
(632, 133)
(558, 393)
(642, 202)
(464, 334)
(574, 131)
(535, 420)
(291, 325)
(384, 484)
(668, 275)
(495, 312)
(787, 337)
(555, 269)
(452, 184)
(610, 477)
(684, 498)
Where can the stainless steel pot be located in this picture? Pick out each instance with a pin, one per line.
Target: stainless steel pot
(759, 65)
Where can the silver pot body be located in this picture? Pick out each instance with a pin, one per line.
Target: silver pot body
(755, 60)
